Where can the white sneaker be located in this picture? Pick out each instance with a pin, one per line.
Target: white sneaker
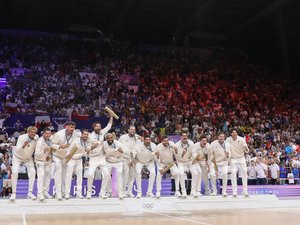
(224, 194)
(47, 196)
(79, 196)
(108, 194)
(31, 196)
(150, 195)
(194, 194)
(103, 196)
(184, 195)
(67, 196)
(234, 194)
(88, 195)
(139, 195)
(214, 193)
(158, 194)
(130, 195)
(13, 196)
(245, 193)
(58, 197)
(41, 197)
(177, 194)
(120, 196)
(207, 192)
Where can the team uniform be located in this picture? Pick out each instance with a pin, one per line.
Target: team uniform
(23, 156)
(218, 152)
(204, 153)
(43, 162)
(129, 172)
(59, 158)
(145, 158)
(114, 159)
(97, 159)
(184, 163)
(238, 148)
(166, 157)
(76, 163)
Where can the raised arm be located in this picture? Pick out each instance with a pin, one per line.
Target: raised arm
(108, 126)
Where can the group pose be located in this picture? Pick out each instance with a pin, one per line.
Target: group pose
(130, 156)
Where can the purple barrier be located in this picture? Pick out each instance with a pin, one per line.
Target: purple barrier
(278, 190)
(22, 187)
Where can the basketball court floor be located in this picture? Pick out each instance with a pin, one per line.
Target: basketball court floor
(252, 211)
(278, 216)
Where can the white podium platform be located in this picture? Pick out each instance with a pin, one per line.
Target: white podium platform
(164, 204)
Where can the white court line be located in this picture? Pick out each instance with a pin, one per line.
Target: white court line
(179, 218)
(24, 219)
(285, 210)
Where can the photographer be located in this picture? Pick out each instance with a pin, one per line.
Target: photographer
(2, 171)
(5, 172)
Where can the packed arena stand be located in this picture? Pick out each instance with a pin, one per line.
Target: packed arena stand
(198, 91)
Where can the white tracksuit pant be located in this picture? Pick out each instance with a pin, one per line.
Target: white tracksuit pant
(16, 162)
(129, 176)
(60, 174)
(175, 173)
(241, 166)
(93, 164)
(223, 169)
(205, 178)
(196, 175)
(43, 176)
(138, 168)
(71, 165)
(119, 169)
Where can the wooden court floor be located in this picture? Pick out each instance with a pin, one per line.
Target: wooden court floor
(276, 216)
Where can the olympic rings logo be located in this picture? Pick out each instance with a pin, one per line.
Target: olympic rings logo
(148, 206)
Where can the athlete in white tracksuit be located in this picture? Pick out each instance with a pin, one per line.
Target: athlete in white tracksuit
(144, 154)
(81, 145)
(114, 151)
(220, 152)
(201, 154)
(97, 158)
(238, 148)
(63, 138)
(43, 159)
(130, 140)
(184, 162)
(165, 153)
(22, 154)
